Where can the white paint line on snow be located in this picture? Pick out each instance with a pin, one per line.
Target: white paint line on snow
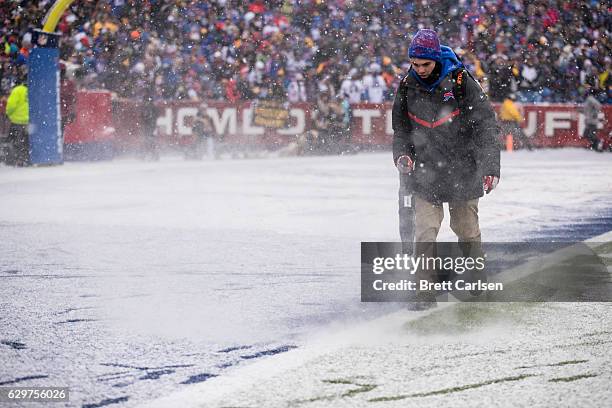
(370, 332)
(215, 388)
(542, 262)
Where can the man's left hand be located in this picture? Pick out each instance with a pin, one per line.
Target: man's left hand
(489, 183)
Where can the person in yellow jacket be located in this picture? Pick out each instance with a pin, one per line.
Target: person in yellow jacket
(17, 110)
(511, 118)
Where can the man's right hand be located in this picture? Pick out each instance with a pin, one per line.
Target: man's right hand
(404, 164)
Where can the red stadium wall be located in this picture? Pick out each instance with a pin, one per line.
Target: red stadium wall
(101, 120)
(93, 119)
(548, 125)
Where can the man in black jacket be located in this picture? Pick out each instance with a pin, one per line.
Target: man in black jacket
(445, 141)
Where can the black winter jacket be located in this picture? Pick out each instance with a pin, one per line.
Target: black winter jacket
(453, 143)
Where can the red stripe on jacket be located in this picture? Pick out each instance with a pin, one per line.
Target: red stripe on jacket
(435, 124)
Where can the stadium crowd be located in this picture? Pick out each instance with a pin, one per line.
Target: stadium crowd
(542, 50)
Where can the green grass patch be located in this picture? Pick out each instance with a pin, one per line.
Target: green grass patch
(361, 388)
(603, 249)
(313, 399)
(559, 364)
(569, 362)
(597, 333)
(451, 390)
(572, 378)
(467, 317)
(339, 381)
(606, 260)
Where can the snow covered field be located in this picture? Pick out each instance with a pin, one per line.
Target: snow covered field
(128, 281)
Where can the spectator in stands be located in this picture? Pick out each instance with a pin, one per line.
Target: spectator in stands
(375, 88)
(296, 89)
(605, 77)
(529, 81)
(200, 45)
(501, 79)
(352, 87)
(8, 77)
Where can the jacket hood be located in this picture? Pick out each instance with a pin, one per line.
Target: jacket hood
(449, 61)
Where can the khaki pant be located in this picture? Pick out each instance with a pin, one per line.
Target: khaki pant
(463, 222)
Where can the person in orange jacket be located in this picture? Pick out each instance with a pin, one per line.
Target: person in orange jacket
(511, 118)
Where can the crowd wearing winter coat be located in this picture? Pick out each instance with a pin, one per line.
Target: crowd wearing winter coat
(550, 51)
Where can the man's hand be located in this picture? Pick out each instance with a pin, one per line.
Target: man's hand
(404, 164)
(489, 183)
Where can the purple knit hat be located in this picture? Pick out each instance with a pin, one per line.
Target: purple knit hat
(425, 45)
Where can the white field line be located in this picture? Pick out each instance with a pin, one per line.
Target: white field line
(337, 338)
(533, 265)
(242, 378)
